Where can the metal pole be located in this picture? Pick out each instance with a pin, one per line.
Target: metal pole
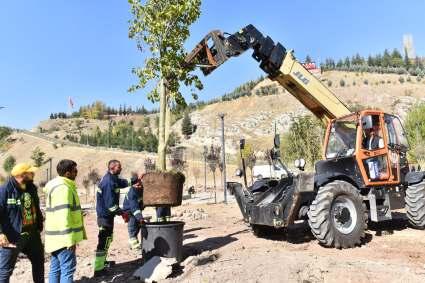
(50, 160)
(223, 156)
(132, 136)
(205, 168)
(109, 134)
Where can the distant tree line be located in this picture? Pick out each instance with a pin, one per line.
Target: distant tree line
(99, 110)
(245, 89)
(59, 115)
(123, 135)
(387, 62)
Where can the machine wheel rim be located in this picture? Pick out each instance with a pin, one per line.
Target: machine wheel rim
(344, 215)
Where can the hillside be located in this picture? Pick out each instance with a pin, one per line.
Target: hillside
(89, 158)
(254, 117)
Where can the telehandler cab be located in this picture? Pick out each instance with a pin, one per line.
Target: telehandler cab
(364, 174)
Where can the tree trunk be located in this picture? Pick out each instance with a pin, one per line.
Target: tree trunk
(221, 176)
(167, 122)
(161, 136)
(252, 177)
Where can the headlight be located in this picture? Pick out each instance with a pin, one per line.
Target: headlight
(297, 163)
(276, 210)
(302, 163)
(238, 173)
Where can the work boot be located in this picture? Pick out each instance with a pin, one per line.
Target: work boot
(109, 264)
(100, 273)
(134, 244)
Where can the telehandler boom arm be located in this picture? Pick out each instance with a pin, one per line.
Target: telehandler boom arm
(280, 64)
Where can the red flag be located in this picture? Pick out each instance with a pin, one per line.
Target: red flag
(71, 103)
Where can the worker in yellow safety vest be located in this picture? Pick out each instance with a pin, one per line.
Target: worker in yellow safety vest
(64, 222)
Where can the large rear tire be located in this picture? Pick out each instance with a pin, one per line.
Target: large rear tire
(415, 205)
(338, 217)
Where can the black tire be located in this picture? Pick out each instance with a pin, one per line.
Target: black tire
(338, 217)
(415, 205)
(261, 231)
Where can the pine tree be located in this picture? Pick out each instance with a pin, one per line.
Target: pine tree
(308, 59)
(406, 59)
(370, 61)
(187, 127)
(386, 59)
(347, 62)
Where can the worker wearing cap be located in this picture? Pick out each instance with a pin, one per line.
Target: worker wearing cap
(21, 222)
(64, 222)
(107, 207)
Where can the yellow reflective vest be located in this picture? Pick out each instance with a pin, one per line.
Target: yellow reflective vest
(64, 225)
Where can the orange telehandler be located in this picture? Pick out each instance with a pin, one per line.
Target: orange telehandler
(364, 174)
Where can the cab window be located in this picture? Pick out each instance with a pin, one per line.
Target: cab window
(342, 139)
(372, 133)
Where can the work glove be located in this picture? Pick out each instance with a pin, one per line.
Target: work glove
(142, 221)
(125, 216)
(4, 242)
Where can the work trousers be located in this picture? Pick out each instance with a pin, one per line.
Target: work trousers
(163, 213)
(134, 228)
(63, 264)
(105, 236)
(30, 245)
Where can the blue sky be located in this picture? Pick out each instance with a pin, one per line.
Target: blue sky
(50, 50)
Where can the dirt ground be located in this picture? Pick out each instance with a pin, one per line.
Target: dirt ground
(392, 252)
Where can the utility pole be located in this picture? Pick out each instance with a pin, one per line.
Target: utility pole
(109, 133)
(48, 170)
(132, 136)
(205, 167)
(223, 156)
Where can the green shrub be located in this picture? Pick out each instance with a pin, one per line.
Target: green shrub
(342, 83)
(303, 140)
(401, 79)
(329, 83)
(366, 82)
(9, 163)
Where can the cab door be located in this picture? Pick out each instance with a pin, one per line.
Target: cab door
(373, 155)
(397, 147)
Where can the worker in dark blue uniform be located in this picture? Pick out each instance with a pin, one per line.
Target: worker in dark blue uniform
(21, 223)
(133, 206)
(108, 196)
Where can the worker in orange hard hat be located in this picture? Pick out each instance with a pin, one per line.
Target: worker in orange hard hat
(21, 223)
